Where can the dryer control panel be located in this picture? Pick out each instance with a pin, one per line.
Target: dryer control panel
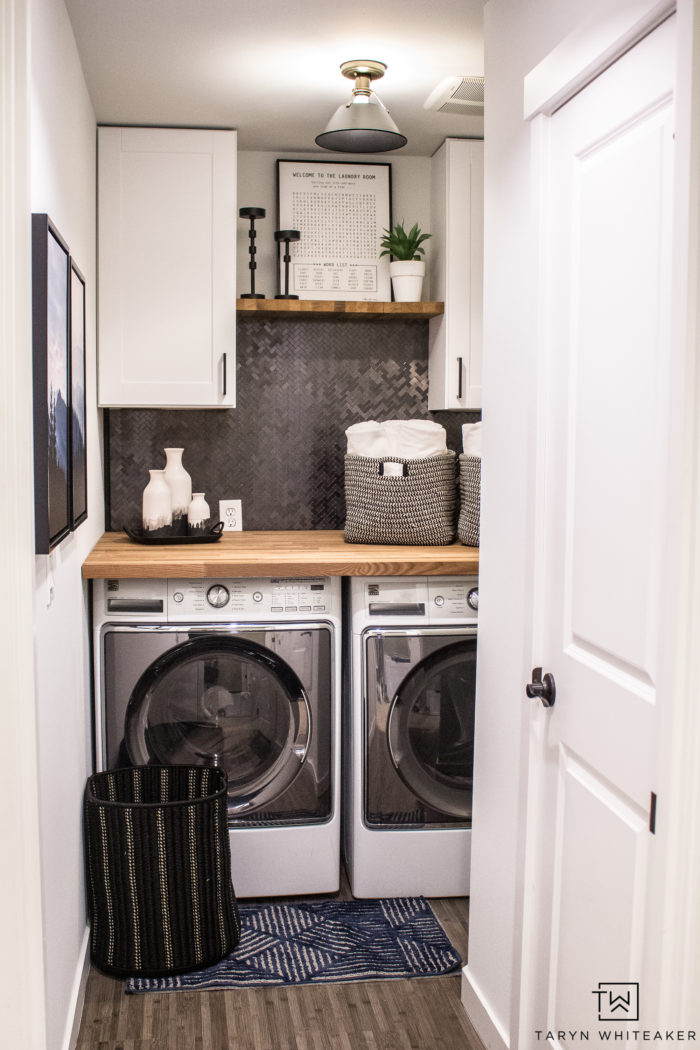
(423, 599)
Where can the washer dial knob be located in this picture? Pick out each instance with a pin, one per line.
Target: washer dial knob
(473, 598)
(218, 596)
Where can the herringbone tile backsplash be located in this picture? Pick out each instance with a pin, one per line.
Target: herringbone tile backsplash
(299, 385)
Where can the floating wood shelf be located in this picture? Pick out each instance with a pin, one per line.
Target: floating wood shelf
(305, 553)
(308, 308)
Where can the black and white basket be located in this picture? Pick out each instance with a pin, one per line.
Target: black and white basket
(470, 500)
(158, 869)
(416, 506)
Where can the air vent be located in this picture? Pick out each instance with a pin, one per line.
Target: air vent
(463, 95)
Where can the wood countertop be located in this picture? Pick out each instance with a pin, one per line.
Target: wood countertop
(303, 553)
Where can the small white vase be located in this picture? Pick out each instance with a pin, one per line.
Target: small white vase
(198, 515)
(180, 484)
(156, 511)
(407, 279)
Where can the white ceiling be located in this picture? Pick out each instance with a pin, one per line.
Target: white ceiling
(271, 68)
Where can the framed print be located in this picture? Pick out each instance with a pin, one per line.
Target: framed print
(340, 211)
(77, 402)
(51, 380)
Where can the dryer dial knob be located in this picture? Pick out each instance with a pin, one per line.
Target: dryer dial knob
(473, 598)
(218, 596)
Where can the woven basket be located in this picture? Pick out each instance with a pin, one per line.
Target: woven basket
(418, 507)
(158, 868)
(470, 499)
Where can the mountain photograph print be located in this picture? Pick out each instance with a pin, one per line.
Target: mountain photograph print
(51, 368)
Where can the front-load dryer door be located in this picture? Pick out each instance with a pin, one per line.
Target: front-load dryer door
(420, 728)
(224, 701)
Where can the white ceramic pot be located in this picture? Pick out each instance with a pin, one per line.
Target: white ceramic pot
(198, 515)
(156, 511)
(407, 280)
(180, 484)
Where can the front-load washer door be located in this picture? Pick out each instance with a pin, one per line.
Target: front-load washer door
(226, 701)
(419, 728)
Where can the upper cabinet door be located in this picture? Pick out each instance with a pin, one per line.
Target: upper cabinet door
(457, 260)
(167, 267)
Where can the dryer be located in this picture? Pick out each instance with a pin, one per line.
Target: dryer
(409, 684)
(242, 674)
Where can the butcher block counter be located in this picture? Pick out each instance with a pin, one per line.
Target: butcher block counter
(303, 553)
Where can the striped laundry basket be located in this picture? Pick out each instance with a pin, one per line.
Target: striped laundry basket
(158, 870)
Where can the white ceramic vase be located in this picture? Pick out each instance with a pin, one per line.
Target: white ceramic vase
(156, 511)
(198, 515)
(407, 279)
(180, 484)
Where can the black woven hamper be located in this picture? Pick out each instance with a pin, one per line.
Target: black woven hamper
(158, 869)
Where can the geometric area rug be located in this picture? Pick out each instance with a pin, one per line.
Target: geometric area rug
(324, 942)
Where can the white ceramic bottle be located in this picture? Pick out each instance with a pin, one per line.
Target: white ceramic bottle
(180, 484)
(156, 510)
(198, 515)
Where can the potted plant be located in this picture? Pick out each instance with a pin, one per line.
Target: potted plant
(407, 269)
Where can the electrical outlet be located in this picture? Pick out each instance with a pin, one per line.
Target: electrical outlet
(230, 514)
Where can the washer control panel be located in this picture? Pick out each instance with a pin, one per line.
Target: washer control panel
(274, 599)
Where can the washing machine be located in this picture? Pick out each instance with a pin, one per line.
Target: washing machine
(242, 674)
(409, 685)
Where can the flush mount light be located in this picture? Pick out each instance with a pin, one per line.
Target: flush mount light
(363, 124)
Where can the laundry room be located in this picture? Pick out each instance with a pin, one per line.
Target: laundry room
(313, 619)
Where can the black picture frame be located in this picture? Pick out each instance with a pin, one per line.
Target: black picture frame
(78, 443)
(328, 268)
(51, 270)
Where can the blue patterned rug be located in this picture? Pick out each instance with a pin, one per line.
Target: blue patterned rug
(322, 943)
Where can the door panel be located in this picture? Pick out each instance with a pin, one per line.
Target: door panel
(599, 880)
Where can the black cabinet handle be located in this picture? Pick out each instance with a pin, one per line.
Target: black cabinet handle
(224, 374)
(459, 378)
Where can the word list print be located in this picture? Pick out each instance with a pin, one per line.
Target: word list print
(340, 211)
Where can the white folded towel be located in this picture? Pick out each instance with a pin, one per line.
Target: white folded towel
(367, 439)
(471, 439)
(411, 438)
(401, 438)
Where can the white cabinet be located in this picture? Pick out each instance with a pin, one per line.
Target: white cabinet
(167, 226)
(456, 252)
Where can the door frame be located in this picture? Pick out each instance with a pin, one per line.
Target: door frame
(674, 898)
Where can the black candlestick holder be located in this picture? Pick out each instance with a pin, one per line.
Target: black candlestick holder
(287, 236)
(252, 214)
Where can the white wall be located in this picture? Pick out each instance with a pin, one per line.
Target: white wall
(517, 37)
(257, 187)
(62, 183)
(21, 943)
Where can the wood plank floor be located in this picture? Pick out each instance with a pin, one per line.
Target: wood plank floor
(420, 1014)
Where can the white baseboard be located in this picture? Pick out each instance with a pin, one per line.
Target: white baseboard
(77, 998)
(479, 1013)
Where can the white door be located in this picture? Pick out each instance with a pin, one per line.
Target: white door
(606, 222)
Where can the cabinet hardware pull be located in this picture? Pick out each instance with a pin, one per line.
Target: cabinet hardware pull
(224, 385)
(459, 378)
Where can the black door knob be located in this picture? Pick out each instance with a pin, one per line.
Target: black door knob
(542, 687)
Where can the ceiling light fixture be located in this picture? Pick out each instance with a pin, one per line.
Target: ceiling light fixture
(363, 124)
